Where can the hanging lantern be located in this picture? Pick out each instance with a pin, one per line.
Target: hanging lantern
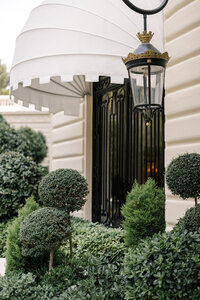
(146, 67)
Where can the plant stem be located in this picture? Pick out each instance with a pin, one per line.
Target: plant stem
(70, 239)
(195, 201)
(51, 259)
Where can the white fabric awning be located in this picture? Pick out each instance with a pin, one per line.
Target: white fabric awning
(66, 44)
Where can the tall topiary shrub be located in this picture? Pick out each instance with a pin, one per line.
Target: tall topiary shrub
(183, 176)
(43, 231)
(19, 179)
(65, 189)
(14, 259)
(37, 143)
(144, 212)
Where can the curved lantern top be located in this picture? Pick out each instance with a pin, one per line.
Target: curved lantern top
(65, 44)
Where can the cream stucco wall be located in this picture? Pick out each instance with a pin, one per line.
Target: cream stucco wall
(72, 145)
(182, 101)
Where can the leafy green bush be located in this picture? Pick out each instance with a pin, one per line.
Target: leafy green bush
(43, 231)
(63, 188)
(93, 274)
(14, 259)
(144, 212)
(18, 286)
(164, 267)
(191, 220)
(3, 121)
(37, 143)
(19, 179)
(88, 278)
(9, 140)
(98, 240)
(183, 176)
(3, 236)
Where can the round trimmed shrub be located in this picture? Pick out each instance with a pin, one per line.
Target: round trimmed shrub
(37, 143)
(19, 179)
(164, 267)
(191, 220)
(183, 176)
(43, 231)
(144, 212)
(63, 188)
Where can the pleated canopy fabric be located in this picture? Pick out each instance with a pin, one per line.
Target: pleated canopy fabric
(66, 44)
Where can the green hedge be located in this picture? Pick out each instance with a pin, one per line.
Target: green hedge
(165, 267)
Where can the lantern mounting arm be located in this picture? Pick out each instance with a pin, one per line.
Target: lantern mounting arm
(145, 12)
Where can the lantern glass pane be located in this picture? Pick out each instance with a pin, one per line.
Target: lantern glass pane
(142, 93)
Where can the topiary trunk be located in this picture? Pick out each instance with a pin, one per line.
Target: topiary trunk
(51, 259)
(70, 239)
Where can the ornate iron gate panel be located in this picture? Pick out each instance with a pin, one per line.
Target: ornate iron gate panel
(124, 149)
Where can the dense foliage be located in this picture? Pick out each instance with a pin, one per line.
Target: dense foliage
(3, 236)
(191, 220)
(3, 121)
(24, 140)
(14, 259)
(63, 188)
(37, 144)
(43, 230)
(183, 176)
(144, 212)
(164, 267)
(90, 275)
(19, 179)
(11, 141)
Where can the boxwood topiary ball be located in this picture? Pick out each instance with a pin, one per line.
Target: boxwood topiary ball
(191, 220)
(63, 188)
(43, 230)
(183, 176)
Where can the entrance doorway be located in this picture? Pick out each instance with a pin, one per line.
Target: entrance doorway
(124, 149)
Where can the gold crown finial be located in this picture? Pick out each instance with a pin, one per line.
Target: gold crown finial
(145, 37)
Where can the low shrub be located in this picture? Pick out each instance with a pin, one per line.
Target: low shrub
(100, 241)
(191, 220)
(14, 259)
(88, 278)
(43, 231)
(19, 179)
(19, 286)
(144, 212)
(183, 176)
(37, 143)
(164, 267)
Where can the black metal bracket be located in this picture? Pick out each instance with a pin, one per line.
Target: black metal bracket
(145, 12)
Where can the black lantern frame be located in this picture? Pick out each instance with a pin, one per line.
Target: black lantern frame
(147, 66)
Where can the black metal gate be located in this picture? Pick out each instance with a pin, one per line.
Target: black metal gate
(124, 149)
